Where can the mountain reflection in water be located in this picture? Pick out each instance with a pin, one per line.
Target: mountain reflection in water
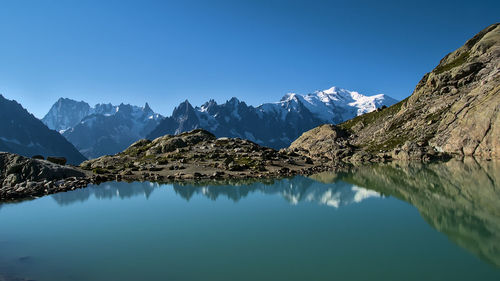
(295, 190)
(460, 199)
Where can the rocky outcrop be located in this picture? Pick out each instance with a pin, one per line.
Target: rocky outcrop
(454, 110)
(198, 155)
(22, 177)
(325, 142)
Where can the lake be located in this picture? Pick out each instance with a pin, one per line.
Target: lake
(396, 221)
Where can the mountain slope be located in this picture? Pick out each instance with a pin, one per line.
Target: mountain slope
(109, 129)
(271, 124)
(22, 133)
(454, 109)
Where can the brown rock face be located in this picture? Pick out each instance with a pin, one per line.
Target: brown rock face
(454, 109)
(325, 141)
(470, 124)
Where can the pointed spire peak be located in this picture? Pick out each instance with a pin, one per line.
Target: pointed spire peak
(234, 100)
(209, 103)
(185, 104)
(147, 107)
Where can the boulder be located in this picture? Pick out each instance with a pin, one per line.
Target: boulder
(57, 160)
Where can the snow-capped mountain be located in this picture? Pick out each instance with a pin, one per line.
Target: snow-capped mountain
(334, 105)
(102, 129)
(22, 133)
(272, 124)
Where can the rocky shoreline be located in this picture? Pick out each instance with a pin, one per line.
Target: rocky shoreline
(189, 158)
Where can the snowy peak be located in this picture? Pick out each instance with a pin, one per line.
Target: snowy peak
(289, 97)
(333, 105)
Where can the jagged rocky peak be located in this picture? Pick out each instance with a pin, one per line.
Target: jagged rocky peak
(454, 109)
(184, 108)
(147, 108)
(234, 101)
(104, 128)
(66, 113)
(104, 108)
(209, 106)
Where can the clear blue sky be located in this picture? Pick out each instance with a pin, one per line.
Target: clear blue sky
(164, 52)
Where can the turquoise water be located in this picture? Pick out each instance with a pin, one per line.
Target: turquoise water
(377, 223)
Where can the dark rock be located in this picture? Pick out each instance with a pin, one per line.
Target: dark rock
(57, 160)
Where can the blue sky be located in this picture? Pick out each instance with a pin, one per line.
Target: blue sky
(164, 52)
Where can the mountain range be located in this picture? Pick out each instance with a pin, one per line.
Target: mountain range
(24, 134)
(102, 129)
(275, 124)
(106, 129)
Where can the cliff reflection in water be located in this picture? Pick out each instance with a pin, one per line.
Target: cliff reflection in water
(458, 198)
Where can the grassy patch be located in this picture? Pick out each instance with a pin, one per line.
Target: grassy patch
(162, 160)
(456, 62)
(147, 158)
(99, 171)
(387, 145)
(136, 151)
(372, 117)
(244, 161)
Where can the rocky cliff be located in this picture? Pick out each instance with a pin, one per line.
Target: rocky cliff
(454, 109)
